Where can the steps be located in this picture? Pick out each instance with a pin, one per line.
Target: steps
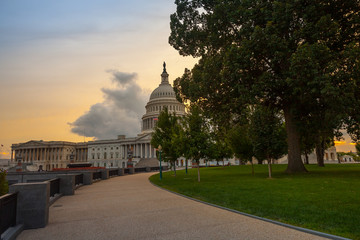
(147, 162)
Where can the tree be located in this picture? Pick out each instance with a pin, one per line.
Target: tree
(196, 136)
(219, 148)
(297, 56)
(357, 146)
(166, 128)
(241, 144)
(307, 145)
(268, 135)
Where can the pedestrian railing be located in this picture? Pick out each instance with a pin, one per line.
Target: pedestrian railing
(8, 205)
(142, 169)
(79, 179)
(113, 172)
(96, 175)
(54, 186)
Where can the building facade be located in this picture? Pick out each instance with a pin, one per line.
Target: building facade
(47, 155)
(116, 152)
(105, 153)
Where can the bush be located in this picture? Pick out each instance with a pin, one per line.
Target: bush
(4, 187)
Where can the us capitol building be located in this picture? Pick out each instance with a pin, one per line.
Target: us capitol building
(47, 155)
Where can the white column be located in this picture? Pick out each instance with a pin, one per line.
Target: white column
(141, 150)
(145, 151)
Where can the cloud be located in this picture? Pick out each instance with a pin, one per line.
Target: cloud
(121, 78)
(119, 113)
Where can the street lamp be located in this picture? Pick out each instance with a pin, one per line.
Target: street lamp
(159, 149)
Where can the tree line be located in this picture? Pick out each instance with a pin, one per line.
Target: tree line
(197, 137)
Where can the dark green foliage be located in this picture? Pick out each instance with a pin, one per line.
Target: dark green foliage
(166, 128)
(219, 146)
(324, 199)
(241, 143)
(195, 136)
(4, 187)
(298, 56)
(268, 135)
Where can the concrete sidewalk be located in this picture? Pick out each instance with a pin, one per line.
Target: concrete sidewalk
(130, 207)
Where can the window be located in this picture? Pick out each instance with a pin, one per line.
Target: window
(98, 156)
(93, 156)
(104, 155)
(111, 155)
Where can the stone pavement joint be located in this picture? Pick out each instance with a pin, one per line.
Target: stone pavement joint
(130, 207)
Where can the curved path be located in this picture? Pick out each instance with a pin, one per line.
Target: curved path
(130, 207)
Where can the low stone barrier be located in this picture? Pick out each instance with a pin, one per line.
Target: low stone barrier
(32, 204)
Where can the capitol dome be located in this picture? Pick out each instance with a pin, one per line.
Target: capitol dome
(163, 96)
(163, 91)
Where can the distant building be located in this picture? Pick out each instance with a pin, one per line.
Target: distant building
(47, 155)
(330, 156)
(105, 153)
(346, 158)
(116, 152)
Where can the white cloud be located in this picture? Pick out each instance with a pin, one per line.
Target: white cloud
(119, 113)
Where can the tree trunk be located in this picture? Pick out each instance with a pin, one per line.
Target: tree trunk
(320, 148)
(306, 158)
(198, 168)
(269, 167)
(223, 163)
(295, 163)
(186, 166)
(175, 169)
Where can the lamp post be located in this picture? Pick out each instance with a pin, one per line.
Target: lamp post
(159, 149)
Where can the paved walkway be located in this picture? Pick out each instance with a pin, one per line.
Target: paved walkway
(130, 207)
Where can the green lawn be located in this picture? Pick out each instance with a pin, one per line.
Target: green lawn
(324, 199)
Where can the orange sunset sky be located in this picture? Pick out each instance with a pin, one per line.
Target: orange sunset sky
(84, 65)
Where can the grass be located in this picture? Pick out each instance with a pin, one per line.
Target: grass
(324, 199)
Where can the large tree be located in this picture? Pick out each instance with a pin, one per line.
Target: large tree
(290, 55)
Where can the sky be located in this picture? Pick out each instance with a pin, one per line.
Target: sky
(86, 67)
